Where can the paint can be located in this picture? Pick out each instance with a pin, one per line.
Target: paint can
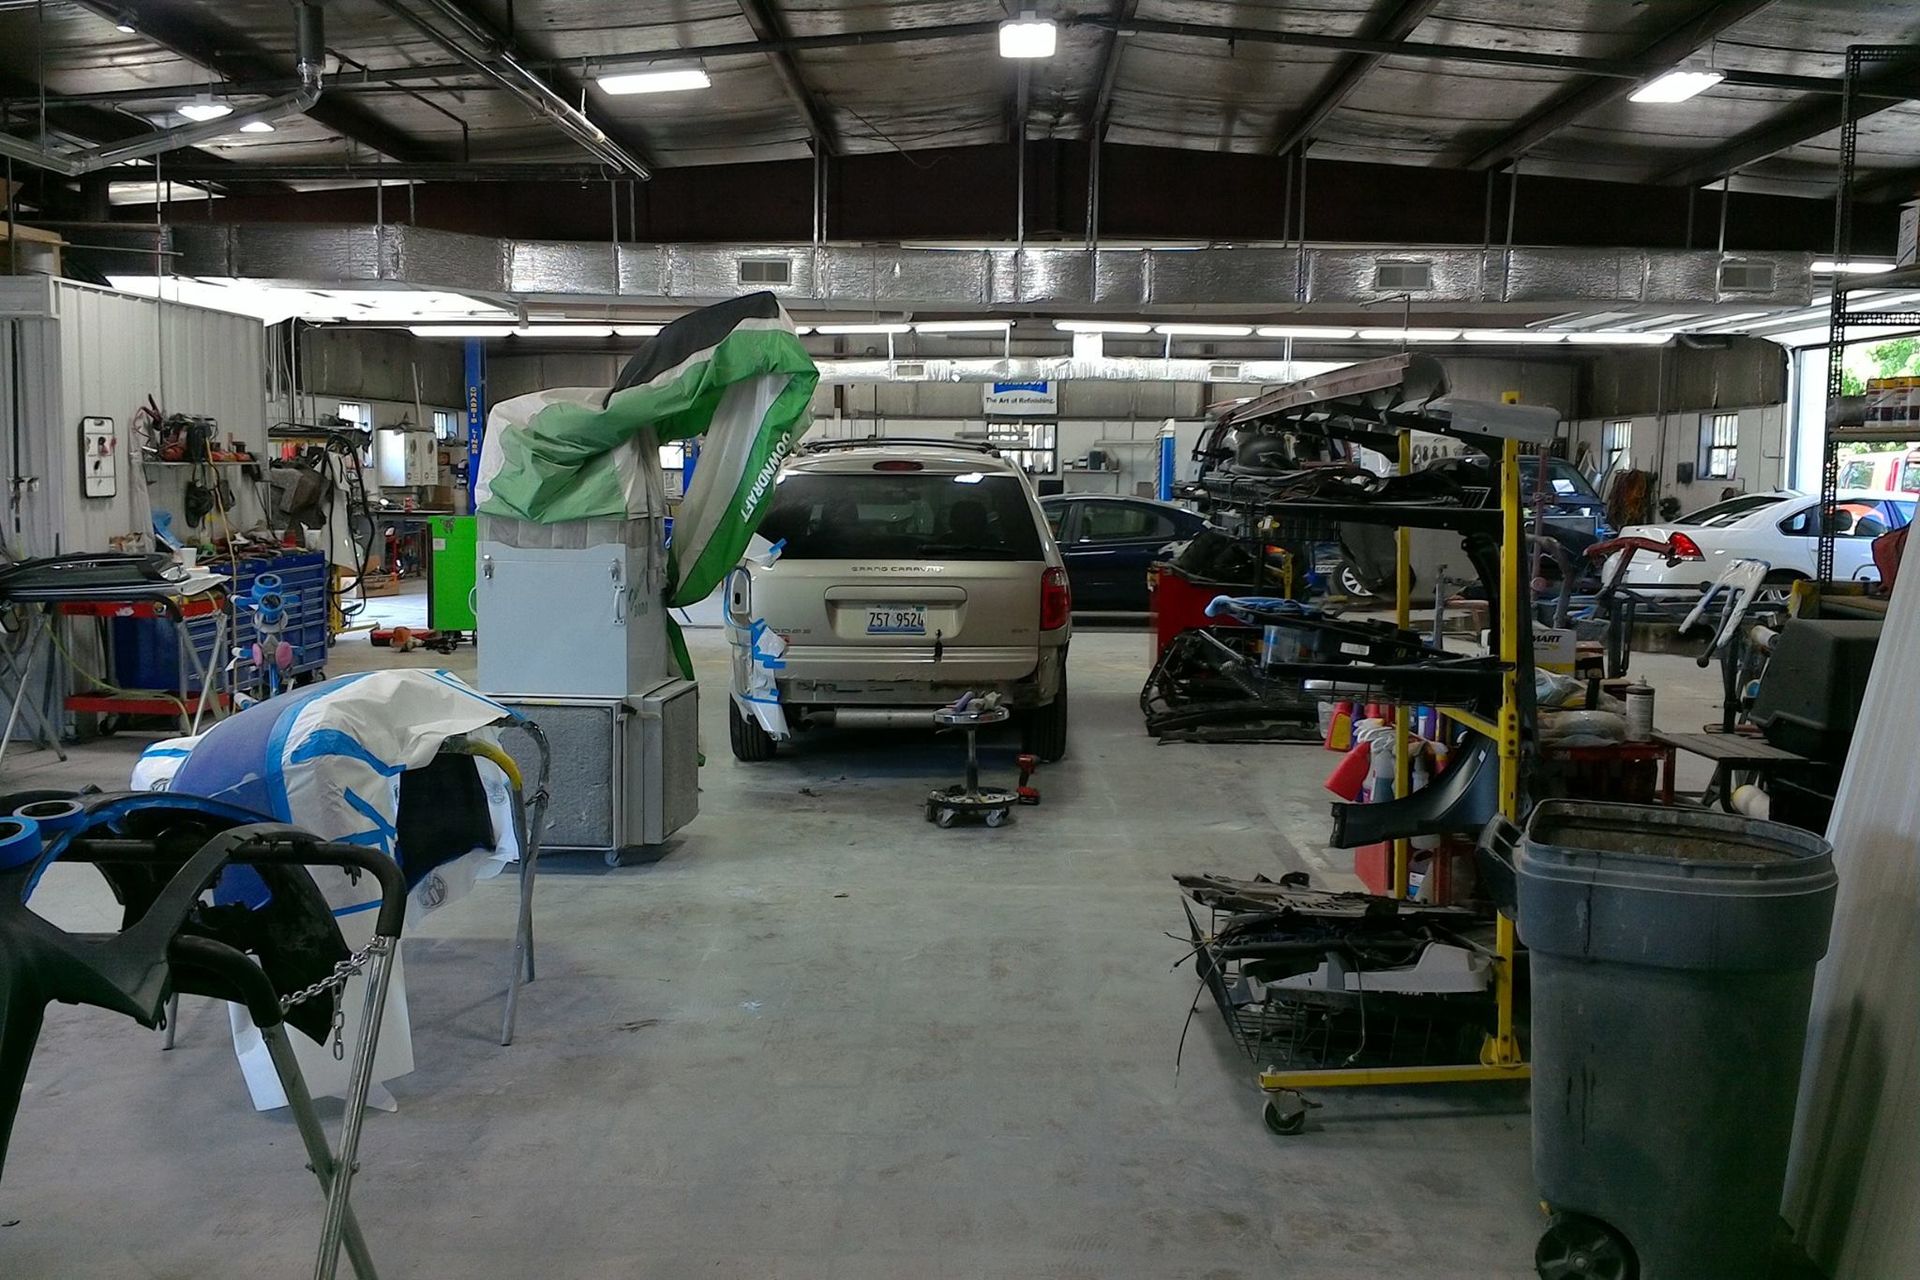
(1639, 713)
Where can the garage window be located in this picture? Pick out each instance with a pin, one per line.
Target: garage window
(1719, 445)
(1616, 442)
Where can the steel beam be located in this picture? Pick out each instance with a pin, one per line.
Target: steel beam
(550, 98)
(1397, 22)
(768, 24)
(1123, 11)
(202, 170)
(228, 54)
(1797, 124)
(1580, 99)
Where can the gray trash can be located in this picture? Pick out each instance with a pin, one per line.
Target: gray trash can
(1672, 954)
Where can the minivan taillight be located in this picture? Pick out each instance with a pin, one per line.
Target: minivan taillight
(1056, 600)
(1681, 547)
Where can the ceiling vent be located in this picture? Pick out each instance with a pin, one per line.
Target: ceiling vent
(1402, 277)
(1223, 373)
(905, 370)
(1746, 277)
(765, 271)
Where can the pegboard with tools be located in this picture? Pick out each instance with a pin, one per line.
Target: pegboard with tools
(99, 458)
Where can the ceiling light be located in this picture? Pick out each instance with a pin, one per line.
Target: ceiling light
(1676, 86)
(204, 108)
(962, 326)
(1825, 268)
(659, 78)
(636, 330)
(1028, 36)
(1409, 335)
(256, 126)
(563, 331)
(124, 24)
(1512, 335)
(1101, 326)
(1203, 330)
(460, 330)
(1331, 333)
(862, 328)
(1618, 338)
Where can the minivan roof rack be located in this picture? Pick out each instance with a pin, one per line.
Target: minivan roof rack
(880, 442)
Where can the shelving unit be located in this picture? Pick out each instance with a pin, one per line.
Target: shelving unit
(1847, 421)
(1390, 432)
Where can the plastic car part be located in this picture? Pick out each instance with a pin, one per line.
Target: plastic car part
(1460, 800)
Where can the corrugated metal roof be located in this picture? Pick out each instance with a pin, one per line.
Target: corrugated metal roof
(1174, 90)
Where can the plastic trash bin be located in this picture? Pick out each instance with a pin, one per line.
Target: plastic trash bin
(1672, 955)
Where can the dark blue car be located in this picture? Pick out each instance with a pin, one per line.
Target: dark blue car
(1109, 541)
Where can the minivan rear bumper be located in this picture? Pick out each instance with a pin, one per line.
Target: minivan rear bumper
(823, 675)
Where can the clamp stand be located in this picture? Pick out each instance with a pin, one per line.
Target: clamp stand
(945, 805)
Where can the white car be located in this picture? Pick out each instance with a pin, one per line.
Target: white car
(900, 575)
(1781, 528)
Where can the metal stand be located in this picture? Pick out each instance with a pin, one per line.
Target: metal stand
(319, 1157)
(946, 805)
(1500, 1057)
(530, 819)
(18, 658)
(359, 1080)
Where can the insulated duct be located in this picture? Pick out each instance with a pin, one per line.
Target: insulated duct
(310, 52)
(890, 278)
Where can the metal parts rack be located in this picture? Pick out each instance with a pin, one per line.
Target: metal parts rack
(1377, 405)
(1853, 419)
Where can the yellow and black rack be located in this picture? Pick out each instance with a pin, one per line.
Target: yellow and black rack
(1379, 404)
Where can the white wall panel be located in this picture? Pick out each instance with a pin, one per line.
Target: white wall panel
(1854, 1179)
(114, 350)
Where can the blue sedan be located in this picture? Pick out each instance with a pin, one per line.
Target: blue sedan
(1109, 541)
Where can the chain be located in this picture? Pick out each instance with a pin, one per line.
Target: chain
(332, 983)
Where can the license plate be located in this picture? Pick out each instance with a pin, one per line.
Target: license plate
(897, 620)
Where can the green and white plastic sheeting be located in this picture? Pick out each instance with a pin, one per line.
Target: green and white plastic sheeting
(733, 375)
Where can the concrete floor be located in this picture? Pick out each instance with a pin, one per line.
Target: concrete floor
(820, 1038)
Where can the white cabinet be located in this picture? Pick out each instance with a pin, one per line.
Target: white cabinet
(405, 459)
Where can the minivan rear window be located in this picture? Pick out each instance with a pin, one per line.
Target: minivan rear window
(922, 516)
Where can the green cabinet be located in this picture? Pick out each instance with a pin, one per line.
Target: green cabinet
(453, 549)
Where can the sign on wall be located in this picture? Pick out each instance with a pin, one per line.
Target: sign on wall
(1021, 399)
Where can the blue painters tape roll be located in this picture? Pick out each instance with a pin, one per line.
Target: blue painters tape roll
(56, 817)
(19, 842)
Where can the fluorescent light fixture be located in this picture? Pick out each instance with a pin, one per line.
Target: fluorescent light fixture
(636, 330)
(660, 78)
(962, 326)
(1618, 338)
(460, 330)
(563, 331)
(1676, 86)
(1203, 330)
(124, 24)
(204, 108)
(1101, 326)
(1825, 268)
(1512, 335)
(256, 126)
(1409, 335)
(862, 328)
(1028, 36)
(1331, 333)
